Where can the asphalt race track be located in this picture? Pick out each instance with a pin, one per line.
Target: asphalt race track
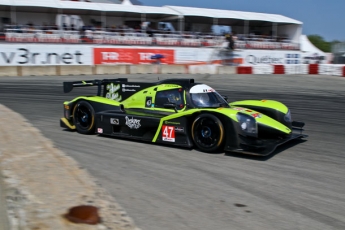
(301, 186)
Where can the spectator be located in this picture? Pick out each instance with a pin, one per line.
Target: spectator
(64, 26)
(231, 41)
(44, 27)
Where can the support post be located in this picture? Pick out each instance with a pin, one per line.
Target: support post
(246, 28)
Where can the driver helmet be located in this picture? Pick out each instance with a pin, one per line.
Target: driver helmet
(174, 97)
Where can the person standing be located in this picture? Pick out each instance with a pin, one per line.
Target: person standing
(231, 46)
(231, 41)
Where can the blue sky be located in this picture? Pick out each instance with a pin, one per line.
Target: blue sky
(322, 17)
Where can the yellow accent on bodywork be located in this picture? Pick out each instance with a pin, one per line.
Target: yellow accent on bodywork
(68, 124)
(97, 99)
(231, 114)
(228, 112)
(263, 119)
(262, 103)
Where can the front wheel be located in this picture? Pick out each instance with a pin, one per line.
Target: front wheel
(84, 117)
(208, 133)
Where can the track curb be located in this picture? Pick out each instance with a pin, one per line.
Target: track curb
(4, 222)
(40, 182)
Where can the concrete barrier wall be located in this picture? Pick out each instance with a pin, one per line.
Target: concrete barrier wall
(203, 69)
(323, 69)
(173, 69)
(75, 70)
(144, 69)
(227, 70)
(296, 69)
(263, 69)
(38, 70)
(9, 71)
(111, 69)
(334, 70)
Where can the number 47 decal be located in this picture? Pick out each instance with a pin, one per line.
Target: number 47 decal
(168, 133)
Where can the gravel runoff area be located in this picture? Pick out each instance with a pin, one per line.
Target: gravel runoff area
(41, 183)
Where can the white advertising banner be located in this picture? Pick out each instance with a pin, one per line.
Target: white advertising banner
(241, 57)
(45, 54)
(314, 58)
(272, 57)
(63, 54)
(194, 55)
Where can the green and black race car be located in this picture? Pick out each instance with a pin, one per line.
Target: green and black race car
(180, 112)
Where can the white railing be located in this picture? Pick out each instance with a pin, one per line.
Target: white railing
(137, 38)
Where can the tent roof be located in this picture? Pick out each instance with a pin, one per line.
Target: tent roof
(307, 46)
(121, 10)
(35, 3)
(150, 11)
(108, 7)
(6, 2)
(79, 5)
(230, 14)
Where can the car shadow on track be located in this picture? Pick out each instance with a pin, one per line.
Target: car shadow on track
(129, 140)
(143, 142)
(278, 150)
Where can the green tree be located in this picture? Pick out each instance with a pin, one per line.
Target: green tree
(320, 43)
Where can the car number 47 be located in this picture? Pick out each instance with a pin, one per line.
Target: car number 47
(168, 133)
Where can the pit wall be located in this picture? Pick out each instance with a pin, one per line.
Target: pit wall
(65, 70)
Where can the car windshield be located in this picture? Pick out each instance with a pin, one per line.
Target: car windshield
(204, 96)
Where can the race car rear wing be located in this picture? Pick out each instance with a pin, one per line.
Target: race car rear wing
(69, 85)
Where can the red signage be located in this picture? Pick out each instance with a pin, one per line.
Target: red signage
(168, 133)
(131, 56)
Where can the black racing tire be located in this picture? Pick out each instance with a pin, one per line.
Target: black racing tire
(208, 133)
(84, 117)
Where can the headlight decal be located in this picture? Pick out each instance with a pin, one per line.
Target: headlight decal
(248, 124)
(288, 117)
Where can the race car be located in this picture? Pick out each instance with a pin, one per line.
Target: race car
(180, 112)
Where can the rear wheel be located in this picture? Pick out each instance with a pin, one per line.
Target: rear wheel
(84, 117)
(208, 133)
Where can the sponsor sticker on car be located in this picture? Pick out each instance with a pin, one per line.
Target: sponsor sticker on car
(179, 129)
(133, 123)
(168, 133)
(256, 115)
(114, 121)
(148, 102)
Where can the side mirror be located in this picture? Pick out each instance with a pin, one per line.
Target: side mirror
(170, 106)
(225, 97)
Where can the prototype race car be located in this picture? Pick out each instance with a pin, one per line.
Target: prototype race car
(180, 112)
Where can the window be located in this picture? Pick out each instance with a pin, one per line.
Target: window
(174, 96)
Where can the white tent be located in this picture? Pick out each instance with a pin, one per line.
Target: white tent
(171, 10)
(307, 46)
(243, 22)
(127, 2)
(310, 53)
(240, 21)
(230, 14)
(22, 5)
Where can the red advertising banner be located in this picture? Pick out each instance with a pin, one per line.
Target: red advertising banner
(131, 56)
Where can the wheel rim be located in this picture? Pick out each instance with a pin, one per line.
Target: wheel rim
(84, 117)
(207, 133)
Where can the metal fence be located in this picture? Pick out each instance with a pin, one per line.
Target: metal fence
(338, 51)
